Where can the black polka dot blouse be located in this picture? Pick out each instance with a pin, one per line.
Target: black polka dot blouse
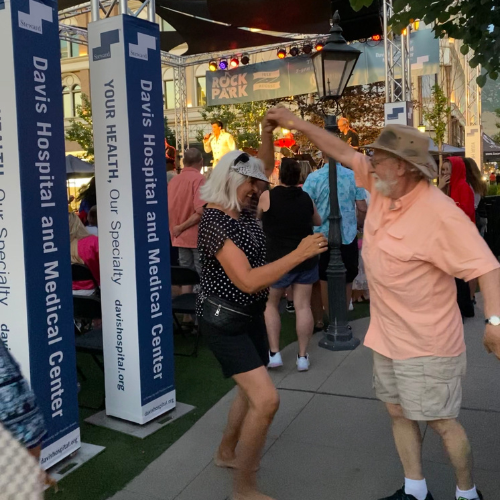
(215, 228)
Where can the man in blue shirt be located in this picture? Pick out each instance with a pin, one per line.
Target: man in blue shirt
(351, 198)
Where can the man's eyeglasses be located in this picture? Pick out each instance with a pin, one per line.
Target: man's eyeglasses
(377, 162)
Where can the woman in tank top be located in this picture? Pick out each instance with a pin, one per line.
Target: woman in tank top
(288, 215)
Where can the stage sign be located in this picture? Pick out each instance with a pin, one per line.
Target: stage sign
(259, 82)
(295, 75)
(36, 305)
(127, 103)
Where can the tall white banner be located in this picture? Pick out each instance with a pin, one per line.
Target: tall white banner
(127, 103)
(474, 144)
(36, 309)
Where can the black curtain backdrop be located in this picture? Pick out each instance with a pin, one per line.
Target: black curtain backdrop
(285, 16)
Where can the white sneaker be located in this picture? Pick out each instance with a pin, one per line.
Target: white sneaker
(303, 363)
(275, 361)
(351, 307)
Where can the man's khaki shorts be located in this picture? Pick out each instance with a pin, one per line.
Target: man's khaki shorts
(427, 388)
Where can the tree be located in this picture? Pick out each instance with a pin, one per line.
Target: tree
(363, 106)
(169, 133)
(437, 115)
(475, 22)
(80, 129)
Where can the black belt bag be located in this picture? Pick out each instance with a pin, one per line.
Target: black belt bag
(230, 318)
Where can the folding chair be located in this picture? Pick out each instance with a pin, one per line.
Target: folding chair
(80, 272)
(88, 341)
(186, 302)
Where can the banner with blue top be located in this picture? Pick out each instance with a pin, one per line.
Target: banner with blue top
(127, 102)
(36, 310)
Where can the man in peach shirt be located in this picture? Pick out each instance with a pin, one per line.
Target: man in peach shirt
(416, 241)
(184, 210)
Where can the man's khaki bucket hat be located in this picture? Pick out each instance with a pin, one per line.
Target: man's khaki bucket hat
(409, 144)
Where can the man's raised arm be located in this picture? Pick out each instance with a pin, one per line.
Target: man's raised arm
(266, 150)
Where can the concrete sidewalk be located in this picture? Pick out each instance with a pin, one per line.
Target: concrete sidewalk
(331, 438)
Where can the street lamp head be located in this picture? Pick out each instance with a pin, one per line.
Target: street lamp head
(333, 66)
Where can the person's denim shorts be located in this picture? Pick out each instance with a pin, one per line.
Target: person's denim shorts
(301, 278)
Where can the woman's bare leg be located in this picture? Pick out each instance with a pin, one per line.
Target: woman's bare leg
(226, 456)
(263, 403)
(273, 318)
(317, 305)
(305, 321)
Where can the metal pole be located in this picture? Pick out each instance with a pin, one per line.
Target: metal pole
(408, 65)
(386, 53)
(152, 11)
(123, 7)
(403, 66)
(338, 336)
(94, 8)
(478, 100)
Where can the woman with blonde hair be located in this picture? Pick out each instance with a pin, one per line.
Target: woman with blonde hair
(232, 300)
(84, 250)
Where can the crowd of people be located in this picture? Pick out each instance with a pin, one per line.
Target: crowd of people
(255, 242)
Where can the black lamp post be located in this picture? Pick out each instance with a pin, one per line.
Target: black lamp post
(333, 67)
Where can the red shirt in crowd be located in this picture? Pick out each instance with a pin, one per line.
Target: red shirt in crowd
(461, 192)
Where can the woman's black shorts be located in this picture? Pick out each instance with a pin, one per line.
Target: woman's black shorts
(242, 351)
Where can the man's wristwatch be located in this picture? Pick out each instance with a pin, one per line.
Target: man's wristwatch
(493, 320)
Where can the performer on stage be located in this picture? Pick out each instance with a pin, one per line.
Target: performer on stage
(219, 142)
(348, 134)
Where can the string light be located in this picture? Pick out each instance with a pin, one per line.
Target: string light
(223, 64)
(294, 51)
(235, 62)
(281, 53)
(212, 65)
(376, 38)
(245, 59)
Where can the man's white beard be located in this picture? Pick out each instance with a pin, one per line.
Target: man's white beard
(385, 188)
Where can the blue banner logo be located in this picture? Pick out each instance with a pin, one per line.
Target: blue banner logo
(108, 38)
(32, 21)
(140, 50)
(395, 113)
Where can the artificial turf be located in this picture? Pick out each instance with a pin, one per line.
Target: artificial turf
(198, 381)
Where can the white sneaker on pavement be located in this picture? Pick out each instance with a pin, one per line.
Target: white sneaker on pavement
(275, 361)
(303, 363)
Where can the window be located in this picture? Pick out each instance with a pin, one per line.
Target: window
(201, 85)
(72, 49)
(67, 106)
(201, 90)
(65, 49)
(72, 97)
(169, 95)
(426, 83)
(77, 98)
